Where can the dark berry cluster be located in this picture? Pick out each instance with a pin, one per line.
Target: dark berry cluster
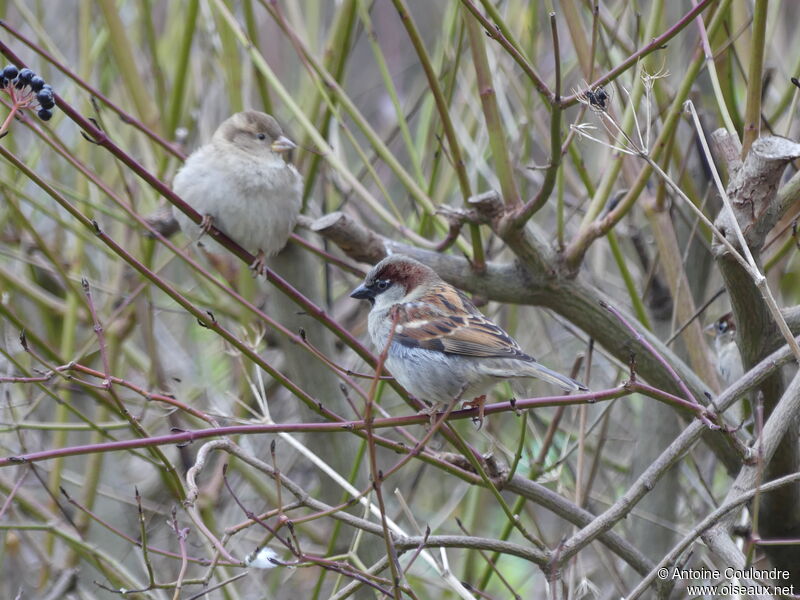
(25, 86)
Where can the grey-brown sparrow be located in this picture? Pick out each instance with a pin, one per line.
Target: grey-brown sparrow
(242, 185)
(442, 347)
(728, 359)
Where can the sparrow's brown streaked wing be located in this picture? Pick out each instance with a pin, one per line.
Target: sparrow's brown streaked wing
(446, 321)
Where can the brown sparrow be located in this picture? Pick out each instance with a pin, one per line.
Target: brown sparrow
(729, 360)
(241, 184)
(443, 348)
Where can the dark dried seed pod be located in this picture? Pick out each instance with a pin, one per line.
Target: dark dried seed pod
(10, 72)
(45, 114)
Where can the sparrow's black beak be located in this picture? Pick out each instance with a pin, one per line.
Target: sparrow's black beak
(362, 292)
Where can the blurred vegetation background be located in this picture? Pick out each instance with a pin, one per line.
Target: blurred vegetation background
(399, 109)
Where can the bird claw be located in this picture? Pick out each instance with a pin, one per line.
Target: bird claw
(431, 411)
(259, 265)
(479, 403)
(206, 223)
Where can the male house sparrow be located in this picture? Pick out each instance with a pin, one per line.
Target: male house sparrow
(241, 184)
(443, 347)
(729, 360)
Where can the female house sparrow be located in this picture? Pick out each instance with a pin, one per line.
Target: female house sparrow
(443, 347)
(729, 360)
(241, 184)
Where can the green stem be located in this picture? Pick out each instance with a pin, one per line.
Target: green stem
(252, 32)
(182, 66)
(752, 111)
(491, 114)
(124, 55)
(630, 285)
(543, 195)
(447, 122)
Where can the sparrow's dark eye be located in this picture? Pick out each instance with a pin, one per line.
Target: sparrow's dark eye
(382, 284)
(262, 136)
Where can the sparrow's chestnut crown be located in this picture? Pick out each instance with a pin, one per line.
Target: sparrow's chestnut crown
(394, 269)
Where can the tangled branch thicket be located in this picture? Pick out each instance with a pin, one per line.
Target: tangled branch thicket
(605, 181)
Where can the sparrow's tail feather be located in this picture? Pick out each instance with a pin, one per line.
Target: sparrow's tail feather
(562, 381)
(539, 371)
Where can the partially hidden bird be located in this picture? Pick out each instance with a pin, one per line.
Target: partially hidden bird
(240, 183)
(442, 347)
(728, 359)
